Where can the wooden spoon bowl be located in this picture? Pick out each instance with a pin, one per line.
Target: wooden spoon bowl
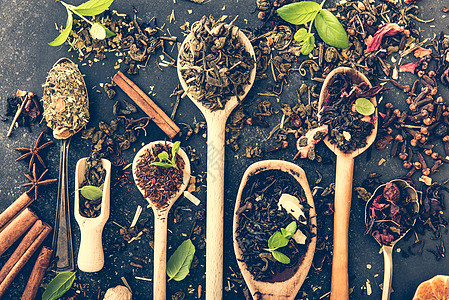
(343, 191)
(282, 289)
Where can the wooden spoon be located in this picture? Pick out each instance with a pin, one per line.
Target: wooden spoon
(280, 289)
(216, 122)
(160, 222)
(62, 236)
(343, 193)
(388, 250)
(91, 255)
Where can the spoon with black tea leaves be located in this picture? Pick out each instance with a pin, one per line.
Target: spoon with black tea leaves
(288, 284)
(216, 122)
(343, 191)
(387, 250)
(66, 110)
(160, 219)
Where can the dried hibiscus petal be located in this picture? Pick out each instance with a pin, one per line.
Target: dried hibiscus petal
(391, 192)
(388, 29)
(410, 67)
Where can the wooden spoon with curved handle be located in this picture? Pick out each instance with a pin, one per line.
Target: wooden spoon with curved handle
(278, 289)
(343, 193)
(216, 122)
(160, 222)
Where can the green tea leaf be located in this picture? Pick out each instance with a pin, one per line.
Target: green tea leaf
(174, 150)
(364, 106)
(91, 192)
(301, 34)
(58, 286)
(290, 230)
(161, 164)
(277, 240)
(299, 12)
(109, 33)
(281, 257)
(65, 33)
(308, 45)
(93, 7)
(163, 156)
(330, 30)
(178, 265)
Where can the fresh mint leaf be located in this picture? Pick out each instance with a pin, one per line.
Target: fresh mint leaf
(109, 33)
(330, 30)
(58, 286)
(364, 106)
(290, 230)
(178, 265)
(93, 7)
(163, 156)
(308, 45)
(91, 192)
(161, 164)
(277, 240)
(65, 33)
(301, 34)
(281, 257)
(299, 12)
(174, 150)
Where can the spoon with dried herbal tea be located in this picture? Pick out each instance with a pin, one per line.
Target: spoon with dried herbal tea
(274, 229)
(92, 208)
(66, 110)
(348, 107)
(216, 68)
(389, 215)
(161, 171)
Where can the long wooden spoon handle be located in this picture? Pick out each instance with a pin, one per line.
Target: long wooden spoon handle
(388, 271)
(214, 213)
(91, 255)
(342, 207)
(160, 258)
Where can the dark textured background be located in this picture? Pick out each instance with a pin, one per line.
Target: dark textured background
(26, 28)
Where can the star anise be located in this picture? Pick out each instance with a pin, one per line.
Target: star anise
(36, 182)
(34, 152)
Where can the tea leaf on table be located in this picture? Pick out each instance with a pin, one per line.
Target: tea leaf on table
(65, 33)
(308, 45)
(277, 240)
(281, 257)
(178, 265)
(299, 12)
(91, 192)
(59, 285)
(93, 7)
(330, 30)
(364, 106)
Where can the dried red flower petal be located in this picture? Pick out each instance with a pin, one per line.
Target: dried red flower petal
(388, 29)
(391, 192)
(421, 52)
(410, 67)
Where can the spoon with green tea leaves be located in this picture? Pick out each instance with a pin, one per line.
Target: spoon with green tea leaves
(90, 254)
(286, 284)
(216, 84)
(343, 183)
(66, 110)
(389, 215)
(161, 184)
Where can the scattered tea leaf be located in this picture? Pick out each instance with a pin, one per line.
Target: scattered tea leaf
(91, 192)
(93, 7)
(65, 33)
(364, 106)
(59, 285)
(330, 30)
(299, 12)
(178, 265)
(281, 257)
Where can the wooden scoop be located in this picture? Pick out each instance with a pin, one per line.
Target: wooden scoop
(281, 289)
(91, 255)
(216, 122)
(160, 222)
(388, 250)
(343, 193)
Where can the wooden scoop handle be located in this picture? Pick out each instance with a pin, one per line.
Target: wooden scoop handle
(90, 255)
(342, 207)
(388, 271)
(160, 258)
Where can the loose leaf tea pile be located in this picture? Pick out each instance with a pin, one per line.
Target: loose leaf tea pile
(260, 218)
(390, 215)
(65, 101)
(215, 63)
(158, 183)
(91, 188)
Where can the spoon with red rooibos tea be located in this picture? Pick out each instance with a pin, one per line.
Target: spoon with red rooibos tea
(389, 215)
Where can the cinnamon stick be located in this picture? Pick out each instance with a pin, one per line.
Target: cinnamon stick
(16, 228)
(147, 105)
(14, 209)
(41, 265)
(27, 247)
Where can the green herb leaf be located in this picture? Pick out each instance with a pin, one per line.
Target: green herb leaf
(161, 164)
(299, 12)
(178, 265)
(281, 257)
(308, 45)
(65, 33)
(58, 286)
(290, 230)
(163, 156)
(174, 150)
(109, 33)
(277, 240)
(91, 192)
(93, 7)
(98, 31)
(330, 30)
(364, 106)
(301, 34)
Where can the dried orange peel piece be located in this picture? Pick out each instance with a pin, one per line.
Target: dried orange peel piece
(436, 288)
